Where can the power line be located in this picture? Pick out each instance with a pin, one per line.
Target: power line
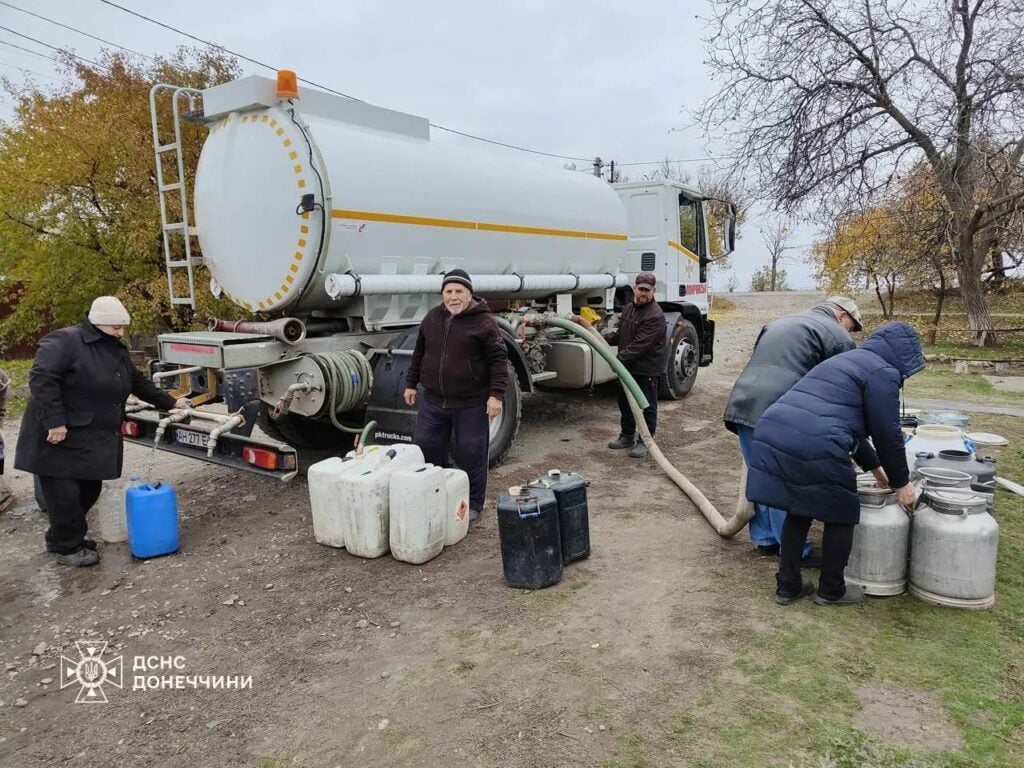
(25, 69)
(331, 90)
(28, 50)
(73, 29)
(511, 146)
(687, 160)
(220, 47)
(52, 47)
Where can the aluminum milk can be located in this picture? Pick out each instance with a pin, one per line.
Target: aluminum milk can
(878, 560)
(953, 551)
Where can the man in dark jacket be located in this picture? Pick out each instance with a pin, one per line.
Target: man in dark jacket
(461, 362)
(800, 455)
(785, 350)
(641, 340)
(71, 431)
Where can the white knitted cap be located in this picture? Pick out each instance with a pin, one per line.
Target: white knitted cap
(107, 310)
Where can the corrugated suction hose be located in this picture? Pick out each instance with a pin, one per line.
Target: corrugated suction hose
(637, 402)
(349, 379)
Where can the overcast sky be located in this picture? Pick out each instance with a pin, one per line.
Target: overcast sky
(572, 77)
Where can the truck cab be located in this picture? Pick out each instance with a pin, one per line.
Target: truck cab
(670, 231)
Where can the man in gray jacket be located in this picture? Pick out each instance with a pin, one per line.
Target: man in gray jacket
(785, 350)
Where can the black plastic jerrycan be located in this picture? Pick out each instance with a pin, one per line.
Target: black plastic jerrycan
(573, 517)
(531, 553)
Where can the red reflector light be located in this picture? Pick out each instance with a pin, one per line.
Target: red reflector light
(259, 457)
(131, 428)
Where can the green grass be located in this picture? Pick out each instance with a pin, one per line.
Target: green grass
(1008, 349)
(631, 753)
(790, 697)
(18, 371)
(943, 384)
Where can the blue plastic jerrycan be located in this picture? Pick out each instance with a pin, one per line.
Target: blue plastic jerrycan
(152, 513)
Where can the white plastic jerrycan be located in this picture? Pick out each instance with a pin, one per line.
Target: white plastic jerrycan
(364, 497)
(324, 499)
(456, 506)
(418, 513)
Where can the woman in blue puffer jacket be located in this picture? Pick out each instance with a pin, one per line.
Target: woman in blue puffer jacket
(800, 459)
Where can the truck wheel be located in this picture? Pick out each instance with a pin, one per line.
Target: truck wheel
(505, 426)
(312, 440)
(683, 361)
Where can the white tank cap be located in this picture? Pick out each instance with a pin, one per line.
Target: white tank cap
(554, 472)
(515, 490)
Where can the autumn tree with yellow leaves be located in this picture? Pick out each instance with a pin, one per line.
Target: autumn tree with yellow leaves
(79, 211)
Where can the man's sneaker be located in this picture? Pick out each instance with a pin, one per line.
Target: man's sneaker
(806, 590)
(474, 516)
(854, 595)
(638, 451)
(80, 558)
(622, 442)
(768, 550)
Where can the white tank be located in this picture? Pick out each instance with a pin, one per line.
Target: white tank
(364, 499)
(456, 509)
(399, 202)
(933, 438)
(418, 506)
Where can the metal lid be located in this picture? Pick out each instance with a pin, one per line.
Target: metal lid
(986, 438)
(955, 503)
(876, 497)
(940, 476)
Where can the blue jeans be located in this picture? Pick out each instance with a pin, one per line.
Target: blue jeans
(766, 525)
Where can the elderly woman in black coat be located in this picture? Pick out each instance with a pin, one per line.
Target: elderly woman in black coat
(802, 446)
(71, 432)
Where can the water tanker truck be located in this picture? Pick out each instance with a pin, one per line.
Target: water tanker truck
(334, 220)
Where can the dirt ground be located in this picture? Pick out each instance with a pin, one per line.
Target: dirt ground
(378, 663)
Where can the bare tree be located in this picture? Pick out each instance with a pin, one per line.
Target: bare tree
(830, 100)
(776, 236)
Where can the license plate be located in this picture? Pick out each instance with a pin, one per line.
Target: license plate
(195, 439)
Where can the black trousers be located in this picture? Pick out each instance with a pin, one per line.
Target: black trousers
(627, 424)
(67, 501)
(836, 543)
(462, 432)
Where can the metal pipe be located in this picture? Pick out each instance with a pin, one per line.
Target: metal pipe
(236, 420)
(172, 417)
(175, 373)
(206, 415)
(282, 406)
(342, 286)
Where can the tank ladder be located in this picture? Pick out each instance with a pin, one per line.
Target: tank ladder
(172, 230)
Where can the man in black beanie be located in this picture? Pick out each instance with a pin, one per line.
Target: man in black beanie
(461, 363)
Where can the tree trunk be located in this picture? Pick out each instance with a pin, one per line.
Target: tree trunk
(881, 301)
(775, 263)
(934, 332)
(998, 266)
(974, 303)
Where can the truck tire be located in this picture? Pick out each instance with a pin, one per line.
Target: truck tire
(683, 361)
(312, 440)
(505, 426)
